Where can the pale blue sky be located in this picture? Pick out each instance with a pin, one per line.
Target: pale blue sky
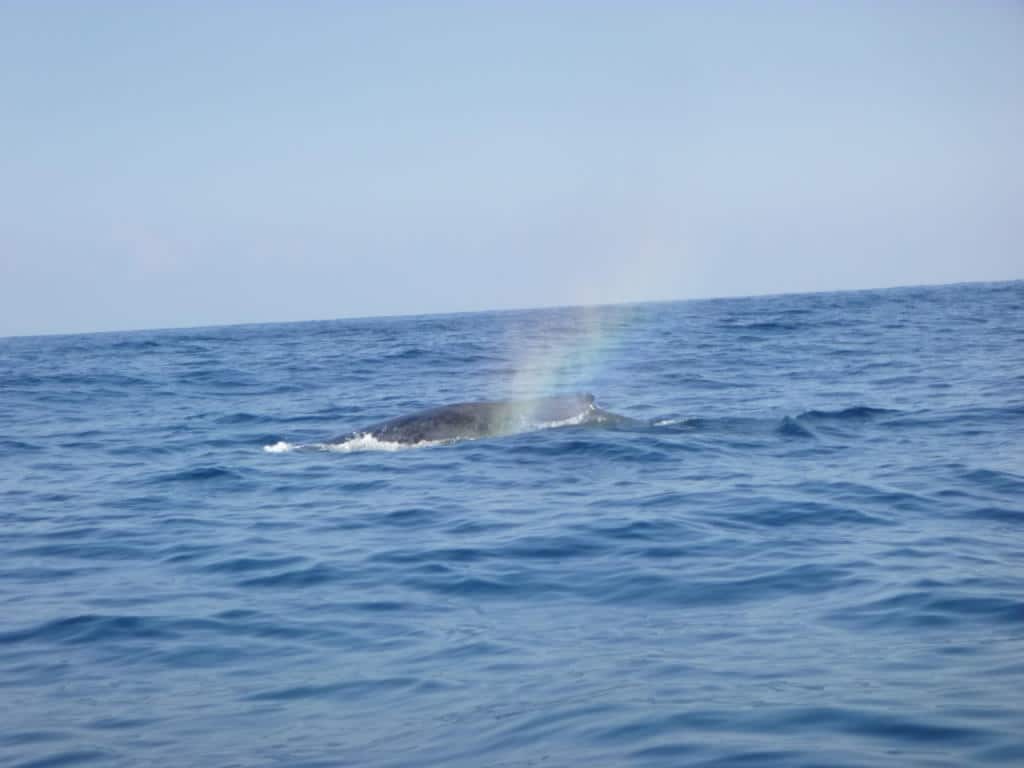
(173, 164)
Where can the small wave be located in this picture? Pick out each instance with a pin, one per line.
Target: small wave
(239, 418)
(88, 628)
(854, 413)
(346, 689)
(996, 514)
(764, 325)
(67, 757)
(18, 445)
(135, 345)
(991, 479)
(409, 353)
(793, 428)
(249, 564)
(773, 515)
(920, 609)
(197, 474)
(297, 577)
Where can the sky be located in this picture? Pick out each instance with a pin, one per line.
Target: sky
(201, 163)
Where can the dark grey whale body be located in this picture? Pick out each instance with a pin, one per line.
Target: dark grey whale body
(467, 421)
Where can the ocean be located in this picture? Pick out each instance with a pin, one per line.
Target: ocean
(804, 548)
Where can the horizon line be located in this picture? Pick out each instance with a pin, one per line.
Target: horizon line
(537, 307)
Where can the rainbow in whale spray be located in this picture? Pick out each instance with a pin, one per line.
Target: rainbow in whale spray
(565, 353)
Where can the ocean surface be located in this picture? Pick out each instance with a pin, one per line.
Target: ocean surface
(805, 548)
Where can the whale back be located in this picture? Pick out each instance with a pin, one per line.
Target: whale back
(472, 420)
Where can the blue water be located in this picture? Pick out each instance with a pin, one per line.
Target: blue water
(808, 550)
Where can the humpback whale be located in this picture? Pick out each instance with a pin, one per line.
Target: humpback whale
(493, 418)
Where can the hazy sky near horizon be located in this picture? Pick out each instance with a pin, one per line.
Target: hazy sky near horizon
(179, 164)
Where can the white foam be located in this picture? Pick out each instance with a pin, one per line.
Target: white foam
(669, 422)
(572, 421)
(368, 442)
(280, 447)
(355, 444)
